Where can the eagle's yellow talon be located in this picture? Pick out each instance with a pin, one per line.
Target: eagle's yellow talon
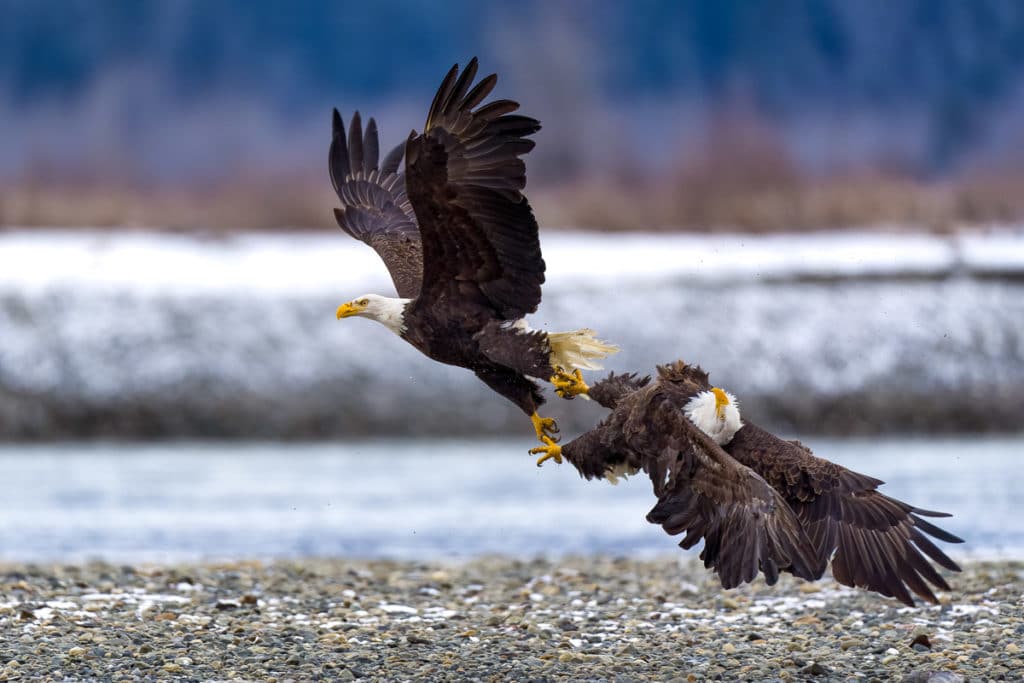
(569, 385)
(545, 427)
(550, 450)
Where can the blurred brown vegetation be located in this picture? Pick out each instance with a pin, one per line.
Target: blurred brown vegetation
(739, 179)
(250, 204)
(742, 179)
(695, 202)
(698, 199)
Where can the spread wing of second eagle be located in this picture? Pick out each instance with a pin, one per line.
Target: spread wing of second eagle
(759, 502)
(461, 242)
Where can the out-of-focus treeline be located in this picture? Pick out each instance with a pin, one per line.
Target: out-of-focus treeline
(698, 114)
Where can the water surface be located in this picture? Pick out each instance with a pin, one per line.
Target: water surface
(424, 499)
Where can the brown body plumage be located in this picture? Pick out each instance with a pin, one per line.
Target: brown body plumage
(758, 502)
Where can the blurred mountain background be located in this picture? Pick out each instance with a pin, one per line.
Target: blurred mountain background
(733, 114)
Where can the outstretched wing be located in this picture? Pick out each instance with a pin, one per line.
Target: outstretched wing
(874, 541)
(464, 177)
(375, 209)
(703, 493)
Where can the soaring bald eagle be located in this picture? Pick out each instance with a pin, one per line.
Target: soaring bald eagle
(460, 242)
(758, 501)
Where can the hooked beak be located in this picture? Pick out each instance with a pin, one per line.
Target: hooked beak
(347, 310)
(721, 401)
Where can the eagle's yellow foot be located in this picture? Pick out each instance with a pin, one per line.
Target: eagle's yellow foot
(550, 450)
(545, 427)
(569, 385)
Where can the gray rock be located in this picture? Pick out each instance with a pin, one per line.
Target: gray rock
(932, 677)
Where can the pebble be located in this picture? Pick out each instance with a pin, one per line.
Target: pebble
(592, 618)
(932, 677)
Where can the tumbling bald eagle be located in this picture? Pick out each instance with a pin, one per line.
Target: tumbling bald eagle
(460, 242)
(759, 503)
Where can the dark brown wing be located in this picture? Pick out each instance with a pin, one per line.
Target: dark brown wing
(529, 352)
(375, 209)
(874, 541)
(464, 178)
(703, 493)
(593, 453)
(610, 390)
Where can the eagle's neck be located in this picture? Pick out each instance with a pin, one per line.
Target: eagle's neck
(716, 414)
(388, 312)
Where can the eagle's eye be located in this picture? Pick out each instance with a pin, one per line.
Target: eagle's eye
(363, 302)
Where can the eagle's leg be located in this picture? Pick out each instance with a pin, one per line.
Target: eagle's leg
(546, 427)
(550, 450)
(569, 385)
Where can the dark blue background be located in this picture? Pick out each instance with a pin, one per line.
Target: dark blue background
(949, 68)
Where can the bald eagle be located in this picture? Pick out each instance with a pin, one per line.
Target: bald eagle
(759, 502)
(460, 242)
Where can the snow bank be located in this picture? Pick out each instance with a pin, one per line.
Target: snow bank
(318, 263)
(143, 335)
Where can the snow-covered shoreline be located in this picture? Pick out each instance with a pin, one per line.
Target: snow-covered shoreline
(140, 335)
(315, 263)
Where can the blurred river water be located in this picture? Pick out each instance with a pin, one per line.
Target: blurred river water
(429, 499)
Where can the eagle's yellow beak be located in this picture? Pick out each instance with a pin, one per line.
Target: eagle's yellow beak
(721, 401)
(349, 309)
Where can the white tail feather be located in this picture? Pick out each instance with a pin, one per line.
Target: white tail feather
(578, 349)
(622, 470)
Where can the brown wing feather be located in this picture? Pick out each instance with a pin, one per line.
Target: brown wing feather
(703, 493)
(874, 541)
(595, 452)
(610, 390)
(529, 352)
(375, 209)
(464, 178)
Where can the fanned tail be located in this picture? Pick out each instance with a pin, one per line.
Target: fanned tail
(579, 349)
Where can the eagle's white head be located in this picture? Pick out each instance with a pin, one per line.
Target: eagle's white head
(716, 413)
(385, 310)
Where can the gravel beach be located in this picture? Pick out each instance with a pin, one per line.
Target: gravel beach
(493, 619)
